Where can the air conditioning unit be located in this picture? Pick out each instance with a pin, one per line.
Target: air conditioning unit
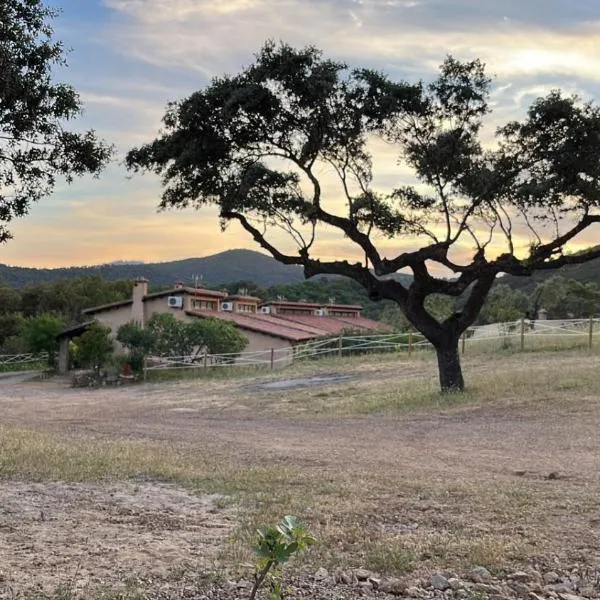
(227, 306)
(175, 301)
(265, 310)
(320, 312)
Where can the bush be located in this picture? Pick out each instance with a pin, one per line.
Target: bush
(40, 335)
(94, 346)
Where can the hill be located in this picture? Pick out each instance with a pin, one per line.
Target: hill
(231, 265)
(586, 272)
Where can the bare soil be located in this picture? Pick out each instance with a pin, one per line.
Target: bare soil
(77, 534)
(500, 468)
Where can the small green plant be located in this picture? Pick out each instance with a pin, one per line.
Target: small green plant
(276, 545)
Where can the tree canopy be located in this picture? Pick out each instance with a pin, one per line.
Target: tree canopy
(262, 144)
(35, 146)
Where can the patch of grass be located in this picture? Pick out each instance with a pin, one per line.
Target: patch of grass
(390, 557)
(38, 456)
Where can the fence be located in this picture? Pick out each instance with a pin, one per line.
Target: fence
(522, 335)
(22, 362)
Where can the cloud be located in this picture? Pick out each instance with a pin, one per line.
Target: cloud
(132, 56)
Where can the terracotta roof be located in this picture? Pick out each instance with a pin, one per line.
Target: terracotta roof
(109, 306)
(296, 328)
(272, 326)
(343, 306)
(364, 323)
(291, 303)
(187, 290)
(242, 297)
(327, 325)
(311, 305)
(336, 324)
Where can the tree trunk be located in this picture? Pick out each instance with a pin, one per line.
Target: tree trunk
(451, 379)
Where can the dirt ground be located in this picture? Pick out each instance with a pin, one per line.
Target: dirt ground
(543, 450)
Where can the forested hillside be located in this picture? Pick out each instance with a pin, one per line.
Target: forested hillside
(231, 265)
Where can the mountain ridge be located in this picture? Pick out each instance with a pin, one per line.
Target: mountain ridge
(230, 265)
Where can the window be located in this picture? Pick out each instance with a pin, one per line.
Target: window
(204, 305)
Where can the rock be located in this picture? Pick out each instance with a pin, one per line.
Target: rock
(414, 592)
(588, 591)
(393, 586)
(519, 588)
(365, 585)
(343, 577)
(521, 576)
(439, 582)
(569, 597)
(550, 577)
(376, 581)
(560, 588)
(321, 575)
(454, 583)
(363, 574)
(480, 575)
(243, 585)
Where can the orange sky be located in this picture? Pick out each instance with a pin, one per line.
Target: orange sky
(130, 57)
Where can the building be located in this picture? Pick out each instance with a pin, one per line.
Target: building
(277, 325)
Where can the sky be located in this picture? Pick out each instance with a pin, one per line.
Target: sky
(128, 58)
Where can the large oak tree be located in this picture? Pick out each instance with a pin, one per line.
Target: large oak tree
(35, 145)
(259, 145)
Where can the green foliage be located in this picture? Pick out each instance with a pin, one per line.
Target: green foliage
(231, 265)
(135, 338)
(165, 335)
(36, 147)
(10, 326)
(257, 145)
(275, 546)
(216, 336)
(39, 334)
(140, 342)
(504, 304)
(566, 298)
(70, 297)
(94, 346)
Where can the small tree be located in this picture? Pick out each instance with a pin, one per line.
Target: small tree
(35, 145)
(170, 335)
(216, 336)
(139, 342)
(40, 335)
(262, 144)
(94, 346)
(173, 337)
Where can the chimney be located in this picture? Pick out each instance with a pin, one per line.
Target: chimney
(140, 289)
(179, 285)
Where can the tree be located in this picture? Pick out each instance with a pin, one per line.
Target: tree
(94, 346)
(503, 304)
(35, 147)
(565, 298)
(139, 342)
(265, 144)
(40, 335)
(173, 337)
(215, 336)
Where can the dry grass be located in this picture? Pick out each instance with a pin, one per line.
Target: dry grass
(389, 474)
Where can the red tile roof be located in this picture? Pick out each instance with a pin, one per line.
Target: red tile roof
(296, 328)
(249, 321)
(312, 305)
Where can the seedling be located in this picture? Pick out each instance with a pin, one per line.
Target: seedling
(276, 545)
